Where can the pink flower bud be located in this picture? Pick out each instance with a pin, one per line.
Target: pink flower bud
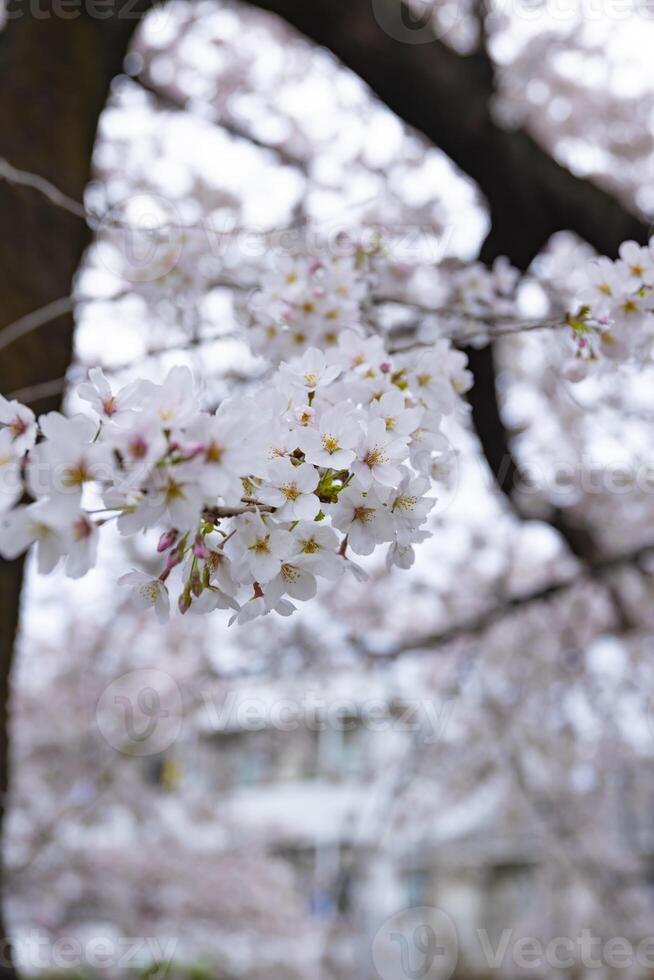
(173, 559)
(199, 548)
(167, 540)
(194, 449)
(385, 367)
(184, 602)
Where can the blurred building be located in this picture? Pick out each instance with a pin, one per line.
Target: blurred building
(351, 786)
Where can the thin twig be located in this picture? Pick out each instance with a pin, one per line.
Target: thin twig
(26, 179)
(168, 99)
(34, 393)
(595, 571)
(249, 507)
(38, 318)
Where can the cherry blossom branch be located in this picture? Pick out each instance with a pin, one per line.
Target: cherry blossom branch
(480, 624)
(466, 335)
(96, 219)
(249, 507)
(169, 99)
(26, 178)
(51, 311)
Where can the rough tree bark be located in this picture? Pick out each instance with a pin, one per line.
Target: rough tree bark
(55, 73)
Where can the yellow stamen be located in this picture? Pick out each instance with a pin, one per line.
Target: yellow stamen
(330, 444)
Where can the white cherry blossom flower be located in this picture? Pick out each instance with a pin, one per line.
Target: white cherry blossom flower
(378, 453)
(140, 444)
(175, 402)
(602, 283)
(399, 418)
(60, 529)
(290, 489)
(304, 415)
(258, 606)
(294, 580)
(317, 544)
(80, 535)
(364, 518)
(332, 440)
(68, 458)
(58, 428)
(409, 506)
(258, 548)
(278, 441)
(11, 484)
(148, 593)
(356, 351)
(250, 610)
(117, 408)
(404, 555)
(173, 497)
(219, 443)
(20, 424)
(427, 439)
(629, 309)
(443, 465)
(439, 375)
(213, 598)
(309, 372)
(26, 524)
(218, 564)
(636, 263)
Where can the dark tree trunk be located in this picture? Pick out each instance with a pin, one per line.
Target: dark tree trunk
(448, 97)
(54, 81)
